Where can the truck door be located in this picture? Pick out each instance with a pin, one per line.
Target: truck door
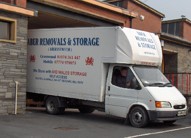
(119, 94)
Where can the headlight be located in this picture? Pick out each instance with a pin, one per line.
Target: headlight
(160, 104)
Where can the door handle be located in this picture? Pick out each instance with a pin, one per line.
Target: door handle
(108, 88)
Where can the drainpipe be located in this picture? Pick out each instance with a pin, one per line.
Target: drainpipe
(131, 22)
(16, 91)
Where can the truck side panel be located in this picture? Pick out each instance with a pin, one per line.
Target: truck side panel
(68, 62)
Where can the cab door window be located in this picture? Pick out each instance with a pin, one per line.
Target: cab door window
(123, 77)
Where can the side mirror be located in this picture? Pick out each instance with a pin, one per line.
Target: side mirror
(134, 84)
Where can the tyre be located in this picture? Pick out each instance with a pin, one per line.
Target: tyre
(169, 122)
(138, 117)
(52, 105)
(86, 110)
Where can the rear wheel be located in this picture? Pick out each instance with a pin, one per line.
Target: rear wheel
(52, 106)
(86, 110)
(138, 117)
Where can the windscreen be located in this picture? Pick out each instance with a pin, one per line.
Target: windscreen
(151, 76)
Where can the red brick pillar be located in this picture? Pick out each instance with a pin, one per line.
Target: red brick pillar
(21, 3)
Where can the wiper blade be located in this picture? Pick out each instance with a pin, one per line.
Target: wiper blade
(159, 84)
(167, 84)
(155, 84)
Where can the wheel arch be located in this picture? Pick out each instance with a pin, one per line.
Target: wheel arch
(139, 105)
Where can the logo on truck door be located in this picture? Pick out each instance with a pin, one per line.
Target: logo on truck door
(89, 61)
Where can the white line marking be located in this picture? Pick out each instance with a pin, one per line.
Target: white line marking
(160, 132)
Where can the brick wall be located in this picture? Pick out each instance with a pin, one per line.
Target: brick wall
(13, 62)
(151, 22)
(103, 13)
(19, 3)
(187, 31)
(183, 62)
(8, 1)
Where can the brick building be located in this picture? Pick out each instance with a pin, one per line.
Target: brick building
(176, 38)
(64, 13)
(178, 27)
(176, 35)
(147, 19)
(13, 54)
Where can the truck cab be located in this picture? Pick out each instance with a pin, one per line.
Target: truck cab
(142, 94)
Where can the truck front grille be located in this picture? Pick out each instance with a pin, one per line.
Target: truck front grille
(179, 106)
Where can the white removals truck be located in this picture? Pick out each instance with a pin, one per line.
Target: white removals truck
(111, 69)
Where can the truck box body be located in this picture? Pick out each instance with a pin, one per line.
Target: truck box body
(72, 62)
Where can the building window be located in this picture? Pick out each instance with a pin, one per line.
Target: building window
(164, 28)
(171, 28)
(5, 30)
(177, 31)
(117, 3)
(8, 30)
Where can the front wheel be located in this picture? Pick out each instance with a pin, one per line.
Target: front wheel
(138, 117)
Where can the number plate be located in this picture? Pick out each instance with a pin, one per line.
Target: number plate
(182, 113)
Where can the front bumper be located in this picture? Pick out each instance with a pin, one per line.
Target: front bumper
(166, 115)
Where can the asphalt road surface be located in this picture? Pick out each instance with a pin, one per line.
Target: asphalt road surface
(72, 124)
